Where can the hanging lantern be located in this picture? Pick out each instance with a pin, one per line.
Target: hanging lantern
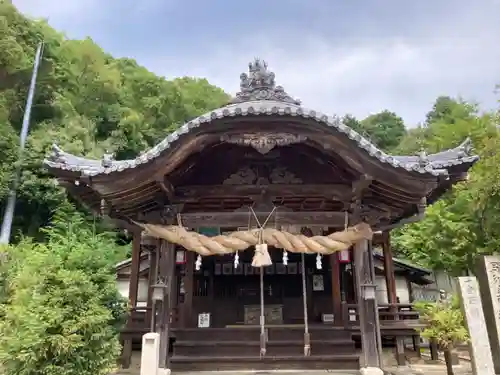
(344, 256)
(180, 257)
(369, 291)
(159, 290)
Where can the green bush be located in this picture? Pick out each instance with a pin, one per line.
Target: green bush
(444, 322)
(61, 309)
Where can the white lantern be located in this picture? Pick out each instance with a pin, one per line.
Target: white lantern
(369, 291)
(159, 290)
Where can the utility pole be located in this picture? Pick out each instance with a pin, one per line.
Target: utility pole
(8, 216)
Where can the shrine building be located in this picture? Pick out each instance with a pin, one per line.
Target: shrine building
(254, 225)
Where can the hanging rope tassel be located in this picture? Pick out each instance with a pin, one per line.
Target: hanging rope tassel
(236, 260)
(261, 256)
(197, 264)
(307, 337)
(319, 265)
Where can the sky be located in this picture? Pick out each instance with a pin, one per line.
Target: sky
(336, 56)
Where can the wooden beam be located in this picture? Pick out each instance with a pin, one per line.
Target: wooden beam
(359, 186)
(195, 193)
(166, 187)
(240, 219)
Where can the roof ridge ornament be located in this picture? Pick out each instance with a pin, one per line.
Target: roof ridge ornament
(107, 159)
(423, 158)
(465, 148)
(260, 84)
(57, 154)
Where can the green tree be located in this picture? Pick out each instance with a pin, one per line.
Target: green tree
(465, 222)
(447, 237)
(61, 309)
(445, 324)
(385, 128)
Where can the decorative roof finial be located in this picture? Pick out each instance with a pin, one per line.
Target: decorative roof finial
(57, 155)
(107, 159)
(259, 84)
(423, 159)
(464, 149)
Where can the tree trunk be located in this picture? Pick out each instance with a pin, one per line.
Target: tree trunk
(433, 347)
(448, 358)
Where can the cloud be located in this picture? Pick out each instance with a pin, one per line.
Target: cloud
(336, 57)
(359, 77)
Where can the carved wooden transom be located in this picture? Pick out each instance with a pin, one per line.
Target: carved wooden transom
(250, 176)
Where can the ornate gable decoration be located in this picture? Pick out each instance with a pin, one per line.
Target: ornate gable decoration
(264, 142)
(259, 84)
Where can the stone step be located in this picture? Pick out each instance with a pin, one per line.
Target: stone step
(267, 363)
(317, 333)
(217, 334)
(253, 333)
(274, 348)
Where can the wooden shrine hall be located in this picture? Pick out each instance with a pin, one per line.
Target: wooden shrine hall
(258, 221)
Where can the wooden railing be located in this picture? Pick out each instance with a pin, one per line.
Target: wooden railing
(140, 318)
(388, 313)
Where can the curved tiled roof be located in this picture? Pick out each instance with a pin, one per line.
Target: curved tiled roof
(259, 96)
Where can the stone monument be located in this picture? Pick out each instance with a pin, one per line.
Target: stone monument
(488, 276)
(479, 345)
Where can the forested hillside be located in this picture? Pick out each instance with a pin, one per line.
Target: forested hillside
(86, 101)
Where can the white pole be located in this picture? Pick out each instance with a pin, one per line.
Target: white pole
(8, 217)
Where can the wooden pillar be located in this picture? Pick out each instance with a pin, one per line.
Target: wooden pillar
(390, 278)
(367, 307)
(211, 284)
(134, 271)
(167, 268)
(355, 288)
(187, 307)
(132, 295)
(152, 278)
(174, 294)
(336, 292)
